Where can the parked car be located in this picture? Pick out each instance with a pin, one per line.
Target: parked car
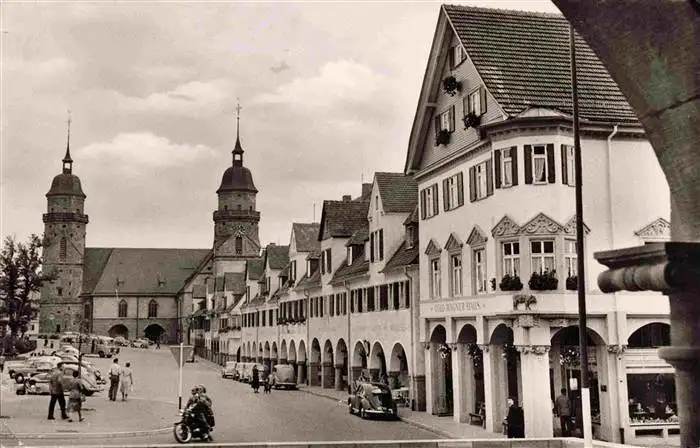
(89, 368)
(372, 400)
(68, 349)
(39, 383)
(284, 376)
(139, 343)
(33, 366)
(120, 341)
(229, 370)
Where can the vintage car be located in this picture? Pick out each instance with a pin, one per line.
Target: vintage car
(284, 376)
(33, 366)
(120, 341)
(39, 383)
(88, 367)
(372, 400)
(229, 370)
(140, 343)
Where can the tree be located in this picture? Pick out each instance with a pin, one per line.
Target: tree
(21, 280)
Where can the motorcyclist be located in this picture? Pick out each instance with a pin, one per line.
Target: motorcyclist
(200, 406)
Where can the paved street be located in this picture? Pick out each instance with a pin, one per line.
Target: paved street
(241, 415)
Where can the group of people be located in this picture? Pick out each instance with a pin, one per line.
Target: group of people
(75, 398)
(120, 379)
(268, 381)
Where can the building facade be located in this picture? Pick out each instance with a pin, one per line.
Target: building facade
(492, 151)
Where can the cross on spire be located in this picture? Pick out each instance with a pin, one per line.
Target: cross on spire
(238, 149)
(67, 160)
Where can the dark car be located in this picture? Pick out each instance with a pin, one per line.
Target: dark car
(372, 400)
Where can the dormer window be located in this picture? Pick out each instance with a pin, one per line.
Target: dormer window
(349, 255)
(308, 268)
(410, 236)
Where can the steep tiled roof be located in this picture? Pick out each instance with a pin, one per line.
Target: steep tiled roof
(340, 219)
(306, 236)
(235, 303)
(277, 256)
(219, 283)
(234, 282)
(523, 58)
(358, 267)
(359, 237)
(144, 271)
(402, 257)
(310, 282)
(95, 262)
(255, 268)
(413, 217)
(398, 191)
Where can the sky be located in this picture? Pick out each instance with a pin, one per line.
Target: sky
(328, 93)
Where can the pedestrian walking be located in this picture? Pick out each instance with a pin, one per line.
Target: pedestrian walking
(76, 397)
(56, 391)
(255, 381)
(562, 408)
(515, 420)
(158, 344)
(114, 374)
(127, 381)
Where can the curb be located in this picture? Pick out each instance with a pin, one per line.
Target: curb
(84, 435)
(405, 420)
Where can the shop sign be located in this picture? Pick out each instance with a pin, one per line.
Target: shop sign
(468, 306)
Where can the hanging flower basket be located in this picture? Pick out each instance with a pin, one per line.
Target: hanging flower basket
(546, 281)
(444, 351)
(509, 352)
(451, 86)
(471, 120)
(511, 283)
(569, 356)
(442, 137)
(572, 283)
(476, 354)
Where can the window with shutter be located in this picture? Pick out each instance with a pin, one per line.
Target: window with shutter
(551, 171)
(460, 189)
(381, 244)
(371, 248)
(568, 167)
(422, 205)
(472, 184)
(482, 97)
(497, 167)
(539, 164)
(435, 202)
(514, 164)
(489, 177)
(528, 164)
(445, 194)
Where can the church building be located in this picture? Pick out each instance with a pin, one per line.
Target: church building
(143, 292)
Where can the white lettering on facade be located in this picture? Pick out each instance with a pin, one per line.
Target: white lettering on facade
(471, 306)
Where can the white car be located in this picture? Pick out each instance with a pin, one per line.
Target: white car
(229, 370)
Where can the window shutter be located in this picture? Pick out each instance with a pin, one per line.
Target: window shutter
(550, 164)
(528, 164)
(436, 203)
(472, 184)
(460, 188)
(445, 196)
(489, 177)
(452, 118)
(564, 174)
(451, 57)
(329, 260)
(437, 127)
(514, 163)
(381, 244)
(371, 247)
(482, 98)
(497, 167)
(422, 204)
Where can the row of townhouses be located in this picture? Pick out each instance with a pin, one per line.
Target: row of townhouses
(454, 279)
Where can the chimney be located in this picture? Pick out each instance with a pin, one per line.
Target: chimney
(347, 198)
(366, 190)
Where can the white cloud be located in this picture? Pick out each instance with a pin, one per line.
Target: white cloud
(143, 150)
(191, 99)
(338, 82)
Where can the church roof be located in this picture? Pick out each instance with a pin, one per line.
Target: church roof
(398, 191)
(237, 178)
(306, 236)
(66, 184)
(139, 271)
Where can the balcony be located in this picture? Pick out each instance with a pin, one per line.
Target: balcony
(225, 215)
(65, 217)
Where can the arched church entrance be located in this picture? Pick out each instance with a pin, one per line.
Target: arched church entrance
(119, 330)
(154, 332)
(441, 363)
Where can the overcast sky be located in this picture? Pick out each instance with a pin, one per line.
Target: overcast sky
(328, 94)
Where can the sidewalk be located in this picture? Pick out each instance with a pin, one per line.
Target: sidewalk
(443, 426)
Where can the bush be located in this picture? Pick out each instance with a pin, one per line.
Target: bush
(17, 346)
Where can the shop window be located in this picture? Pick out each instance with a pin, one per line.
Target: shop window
(651, 398)
(651, 336)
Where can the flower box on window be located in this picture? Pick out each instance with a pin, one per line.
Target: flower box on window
(451, 86)
(471, 120)
(511, 283)
(442, 137)
(572, 283)
(546, 281)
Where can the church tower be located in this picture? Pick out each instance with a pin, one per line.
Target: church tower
(64, 251)
(236, 220)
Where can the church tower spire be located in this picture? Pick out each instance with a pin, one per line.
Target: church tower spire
(67, 160)
(238, 149)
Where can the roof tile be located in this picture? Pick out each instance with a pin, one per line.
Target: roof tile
(340, 219)
(398, 191)
(306, 236)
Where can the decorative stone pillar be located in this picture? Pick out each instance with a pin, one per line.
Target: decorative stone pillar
(672, 268)
(313, 374)
(493, 421)
(536, 400)
(301, 372)
(327, 375)
(612, 376)
(418, 391)
(338, 383)
(429, 379)
(266, 363)
(458, 392)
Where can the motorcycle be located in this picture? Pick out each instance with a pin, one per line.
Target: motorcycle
(188, 428)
